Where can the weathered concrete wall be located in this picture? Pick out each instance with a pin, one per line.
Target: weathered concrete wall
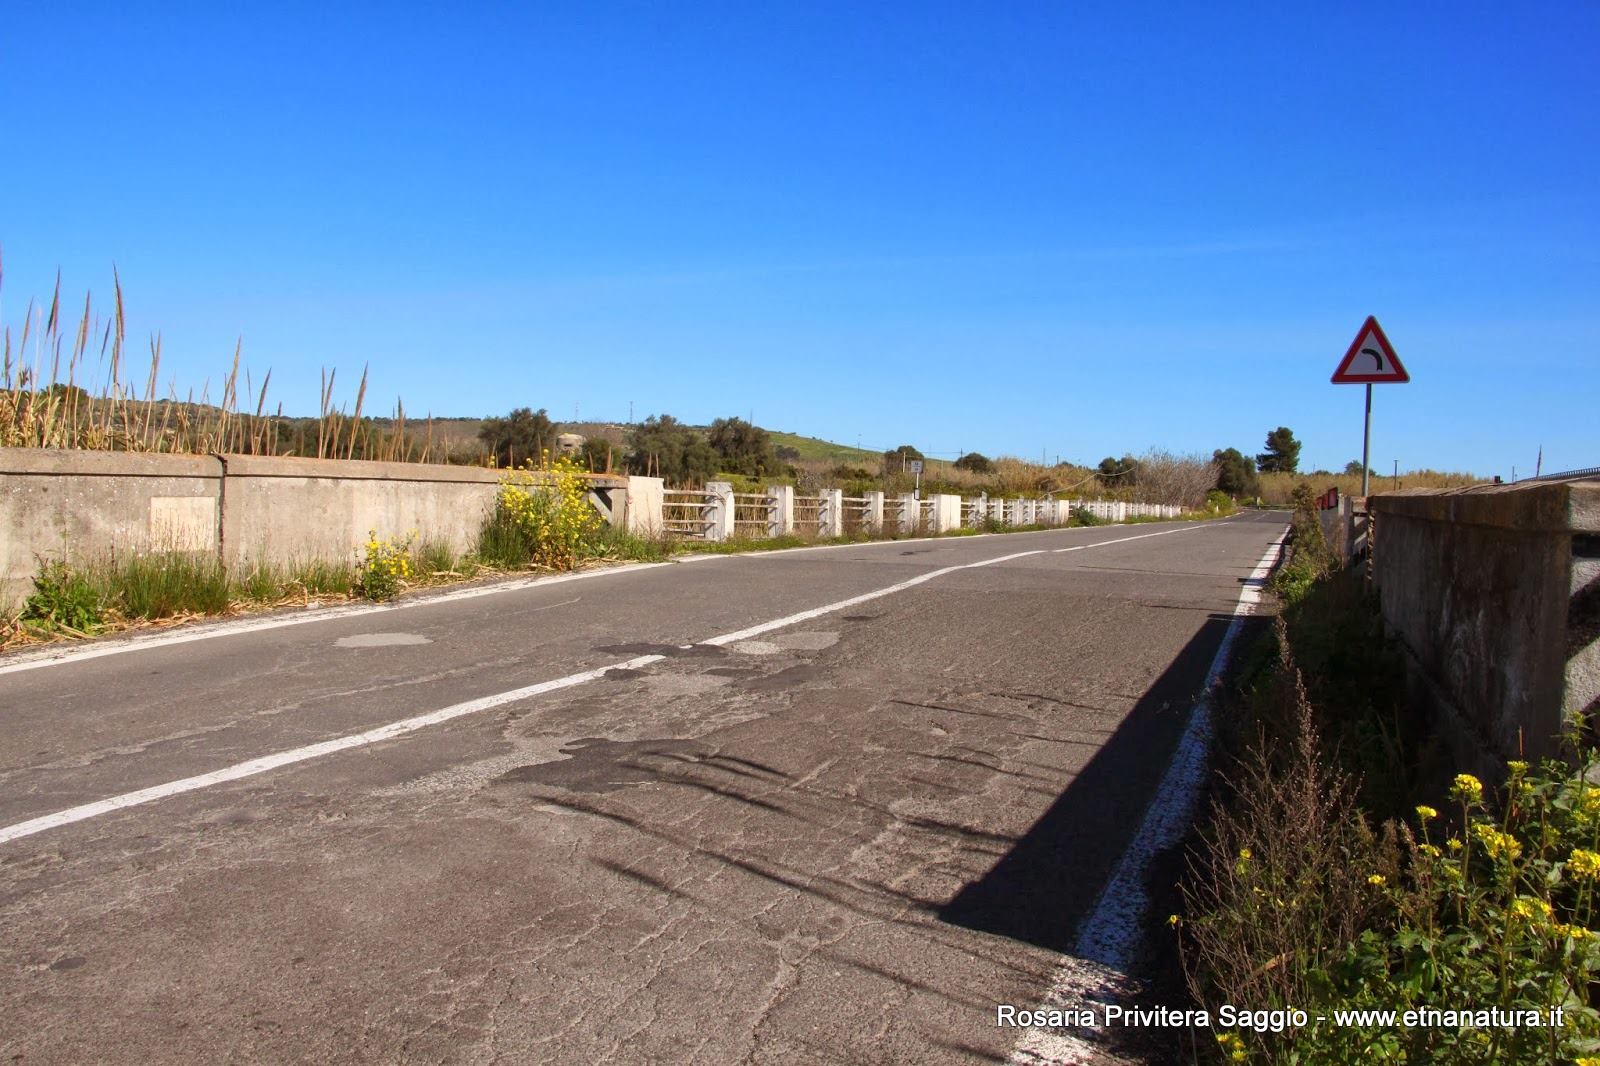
(82, 506)
(285, 510)
(645, 496)
(87, 506)
(1491, 589)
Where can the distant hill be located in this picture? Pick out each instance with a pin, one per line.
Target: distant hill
(826, 450)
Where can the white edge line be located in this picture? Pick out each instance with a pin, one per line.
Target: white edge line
(1108, 939)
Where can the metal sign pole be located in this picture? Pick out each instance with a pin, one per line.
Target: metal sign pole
(1366, 442)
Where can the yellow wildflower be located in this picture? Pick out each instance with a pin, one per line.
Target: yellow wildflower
(1585, 864)
(1376, 879)
(1497, 844)
(1530, 909)
(1426, 813)
(1467, 788)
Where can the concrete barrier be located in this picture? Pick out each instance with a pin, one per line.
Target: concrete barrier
(643, 506)
(84, 506)
(282, 511)
(90, 506)
(1494, 591)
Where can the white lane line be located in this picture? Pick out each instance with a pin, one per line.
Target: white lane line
(817, 612)
(1096, 973)
(310, 751)
(54, 656)
(1124, 540)
(411, 725)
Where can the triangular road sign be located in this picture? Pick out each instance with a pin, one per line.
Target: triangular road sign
(1371, 360)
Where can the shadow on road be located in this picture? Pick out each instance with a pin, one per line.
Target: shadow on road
(1042, 889)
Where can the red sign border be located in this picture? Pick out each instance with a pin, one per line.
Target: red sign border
(1341, 377)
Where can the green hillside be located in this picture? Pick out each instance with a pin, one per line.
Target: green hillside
(827, 450)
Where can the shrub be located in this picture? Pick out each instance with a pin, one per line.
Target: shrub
(543, 521)
(1218, 504)
(385, 564)
(63, 599)
(1082, 516)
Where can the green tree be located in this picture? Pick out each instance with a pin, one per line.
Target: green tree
(1353, 468)
(599, 455)
(1236, 473)
(522, 435)
(1282, 455)
(1118, 473)
(973, 461)
(743, 448)
(896, 459)
(662, 446)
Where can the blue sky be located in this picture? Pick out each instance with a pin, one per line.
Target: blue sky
(1072, 229)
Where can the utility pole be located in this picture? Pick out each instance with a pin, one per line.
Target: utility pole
(1397, 473)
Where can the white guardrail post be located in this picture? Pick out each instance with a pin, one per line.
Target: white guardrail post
(780, 520)
(909, 512)
(872, 515)
(719, 510)
(830, 516)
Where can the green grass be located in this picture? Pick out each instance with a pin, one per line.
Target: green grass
(436, 557)
(161, 585)
(826, 450)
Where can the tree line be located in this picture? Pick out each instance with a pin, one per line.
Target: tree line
(660, 446)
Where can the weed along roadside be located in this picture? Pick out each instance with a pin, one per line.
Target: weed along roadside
(157, 567)
(1382, 904)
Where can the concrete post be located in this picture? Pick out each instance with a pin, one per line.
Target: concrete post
(780, 521)
(1030, 512)
(721, 510)
(946, 512)
(908, 512)
(1119, 512)
(830, 516)
(645, 495)
(1013, 512)
(997, 511)
(873, 518)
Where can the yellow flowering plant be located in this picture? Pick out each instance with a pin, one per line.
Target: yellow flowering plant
(542, 518)
(384, 565)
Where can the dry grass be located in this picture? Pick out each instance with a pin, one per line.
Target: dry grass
(72, 386)
(1279, 488)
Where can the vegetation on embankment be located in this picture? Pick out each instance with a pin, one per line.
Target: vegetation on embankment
(1278, 489)
(1344, 865)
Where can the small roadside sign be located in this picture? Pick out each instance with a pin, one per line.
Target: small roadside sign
(916, 466)
(1371, 359)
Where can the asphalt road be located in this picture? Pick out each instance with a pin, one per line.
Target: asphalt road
(846, 838)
